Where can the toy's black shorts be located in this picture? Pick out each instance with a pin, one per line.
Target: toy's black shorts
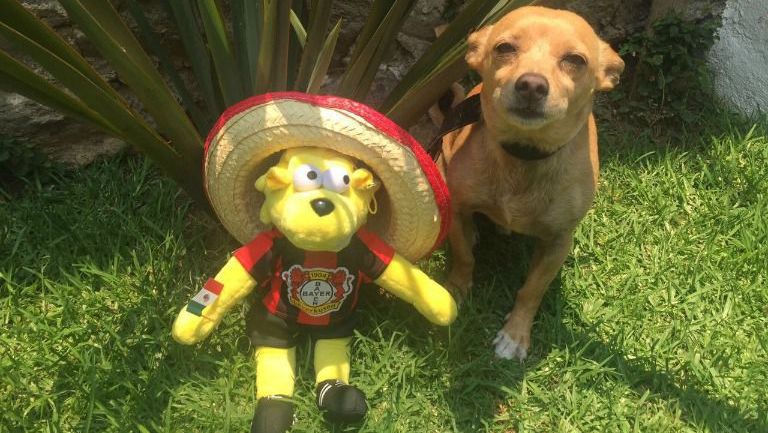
(266, 329)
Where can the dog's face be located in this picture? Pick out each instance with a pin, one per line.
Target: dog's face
(540, 65)
(316, 197)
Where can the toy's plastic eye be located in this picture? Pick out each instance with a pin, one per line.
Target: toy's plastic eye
(307, 178)
(336, 179)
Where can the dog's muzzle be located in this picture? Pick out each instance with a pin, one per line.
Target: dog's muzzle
(527, 95)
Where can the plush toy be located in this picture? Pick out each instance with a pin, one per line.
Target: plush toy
(308, 248)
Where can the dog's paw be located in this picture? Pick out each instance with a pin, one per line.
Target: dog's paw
(507, 348)
(459, 292)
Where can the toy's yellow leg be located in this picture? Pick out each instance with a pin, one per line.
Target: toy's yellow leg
(339, 400)
(275, 371)
(332, 359)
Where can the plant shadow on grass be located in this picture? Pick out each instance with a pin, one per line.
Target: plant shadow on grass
(98, 264)
(473, 405)
(135, 385)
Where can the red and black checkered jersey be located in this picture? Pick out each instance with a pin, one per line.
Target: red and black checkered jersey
(317, 288)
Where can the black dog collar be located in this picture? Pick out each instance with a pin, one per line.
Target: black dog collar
(469, 111)
(526, 152)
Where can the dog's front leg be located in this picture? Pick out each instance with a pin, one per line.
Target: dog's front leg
(462, 237)
(514, 339)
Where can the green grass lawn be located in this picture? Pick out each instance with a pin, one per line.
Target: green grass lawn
(657, 322)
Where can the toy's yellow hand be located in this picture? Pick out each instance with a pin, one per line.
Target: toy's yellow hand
(190, 329)
(409, 283)
(236, 282)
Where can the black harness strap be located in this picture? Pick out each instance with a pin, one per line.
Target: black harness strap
(464, 113)
(469, 111)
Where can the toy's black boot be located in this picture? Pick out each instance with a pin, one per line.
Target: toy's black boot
(273, 415)
(341, 402)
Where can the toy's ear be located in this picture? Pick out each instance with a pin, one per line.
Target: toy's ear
(610, 68)
(275, 178)
(362, 179)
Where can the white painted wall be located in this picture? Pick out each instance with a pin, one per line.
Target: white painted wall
(739, 60)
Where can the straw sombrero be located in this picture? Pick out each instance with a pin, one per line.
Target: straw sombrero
(247, 139)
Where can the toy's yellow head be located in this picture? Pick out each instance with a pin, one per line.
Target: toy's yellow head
(316, 197)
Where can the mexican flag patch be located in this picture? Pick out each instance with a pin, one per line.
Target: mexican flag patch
(205, 297)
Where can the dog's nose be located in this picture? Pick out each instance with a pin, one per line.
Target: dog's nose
(531, 86)
(321, 206)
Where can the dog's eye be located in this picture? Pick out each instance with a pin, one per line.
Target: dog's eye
(574, 61)
(336, 179)
(307, 178)
(504, 49)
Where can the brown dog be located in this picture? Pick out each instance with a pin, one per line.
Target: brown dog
(531, 164)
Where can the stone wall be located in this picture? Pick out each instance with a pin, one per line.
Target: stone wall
(66, 140)
(75, 143)
(739, 59)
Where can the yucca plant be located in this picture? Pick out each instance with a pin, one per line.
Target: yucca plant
(267, 45)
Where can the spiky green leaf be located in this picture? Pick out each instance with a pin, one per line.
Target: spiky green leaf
(266, 47)
(363, 68)
(324, 60)
(221, 51)
(15, 16)
(298, 29)
(247, 18)
(149, 38)
(320, 13)
(127, 124)
(114, 40)
(281, 48)
(16, 77)
(442, 64)
(184, 14)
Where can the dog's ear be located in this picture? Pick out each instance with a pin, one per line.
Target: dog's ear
(610, 68)
(476, 43)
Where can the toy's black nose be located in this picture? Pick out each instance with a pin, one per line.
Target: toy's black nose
(321, 206)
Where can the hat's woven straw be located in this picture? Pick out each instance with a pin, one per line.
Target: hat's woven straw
(248, 137)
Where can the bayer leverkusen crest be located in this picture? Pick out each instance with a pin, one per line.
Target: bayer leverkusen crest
(317, 291)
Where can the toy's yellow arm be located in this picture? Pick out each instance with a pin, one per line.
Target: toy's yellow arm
(409, 283)
(236, 284)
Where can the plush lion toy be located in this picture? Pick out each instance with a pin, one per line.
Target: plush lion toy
(314, 252)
